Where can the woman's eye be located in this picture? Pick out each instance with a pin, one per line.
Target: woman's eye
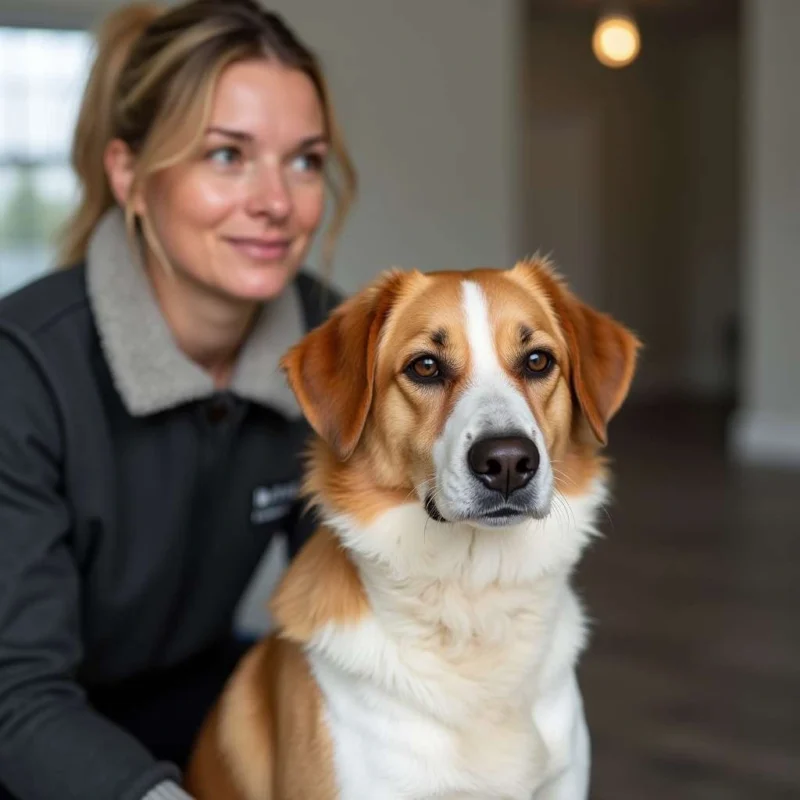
(423, 369)
(539, 362)
(309, 162)
(225, 155)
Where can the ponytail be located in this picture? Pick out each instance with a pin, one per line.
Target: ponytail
(96, 125)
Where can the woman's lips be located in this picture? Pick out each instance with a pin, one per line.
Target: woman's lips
(262, 250)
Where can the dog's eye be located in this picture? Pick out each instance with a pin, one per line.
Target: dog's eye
(424, 368)
(539, 362)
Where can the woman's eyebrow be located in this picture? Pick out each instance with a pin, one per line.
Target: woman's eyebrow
(311, 141)
(303, 144)
(241, 135)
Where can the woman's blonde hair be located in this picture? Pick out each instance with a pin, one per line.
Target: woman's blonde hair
(152, 86)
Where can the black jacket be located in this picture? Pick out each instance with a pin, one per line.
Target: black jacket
(135, 504)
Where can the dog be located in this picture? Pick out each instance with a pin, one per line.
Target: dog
(427, 634)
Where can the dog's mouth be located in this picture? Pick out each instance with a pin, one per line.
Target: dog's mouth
(433, 509)
(502, 513)
(499, 516)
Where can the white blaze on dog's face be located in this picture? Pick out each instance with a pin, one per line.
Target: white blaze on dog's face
(479, 392)
(491, 460)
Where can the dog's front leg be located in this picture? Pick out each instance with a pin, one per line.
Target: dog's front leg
(571, 783)
(569, 747)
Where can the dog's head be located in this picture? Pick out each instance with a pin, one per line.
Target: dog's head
(477, 393)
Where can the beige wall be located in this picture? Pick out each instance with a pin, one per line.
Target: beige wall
(54, 13)
(767, 426)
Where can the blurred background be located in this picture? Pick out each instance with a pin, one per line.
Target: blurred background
(668, 191)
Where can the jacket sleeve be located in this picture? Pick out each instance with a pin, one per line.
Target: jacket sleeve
(53, 746)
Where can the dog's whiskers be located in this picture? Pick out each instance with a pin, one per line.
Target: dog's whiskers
(564, 509)
(419, 489)
(563, 476)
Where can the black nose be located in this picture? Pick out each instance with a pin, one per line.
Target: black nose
(504, 464)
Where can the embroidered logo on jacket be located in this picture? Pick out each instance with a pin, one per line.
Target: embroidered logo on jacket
(273, 502)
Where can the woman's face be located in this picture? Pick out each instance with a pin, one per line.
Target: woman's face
(239, 217)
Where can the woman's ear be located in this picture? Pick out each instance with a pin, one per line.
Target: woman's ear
(331, 370)
(120, 165)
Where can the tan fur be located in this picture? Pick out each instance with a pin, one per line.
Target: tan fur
(353, 488)
(266, 739)
(233, 756)
(322, 586)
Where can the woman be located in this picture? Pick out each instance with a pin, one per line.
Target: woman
(148, 444)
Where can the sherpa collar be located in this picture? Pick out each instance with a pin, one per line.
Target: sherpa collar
(149, 370)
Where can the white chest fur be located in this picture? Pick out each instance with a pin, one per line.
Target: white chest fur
(460, 683)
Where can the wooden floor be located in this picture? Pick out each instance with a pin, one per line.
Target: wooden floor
(692, 677)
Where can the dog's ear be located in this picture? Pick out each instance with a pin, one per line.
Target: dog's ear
(602, 352)
(332, 369)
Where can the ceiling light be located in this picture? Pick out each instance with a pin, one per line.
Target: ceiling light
(616, 41)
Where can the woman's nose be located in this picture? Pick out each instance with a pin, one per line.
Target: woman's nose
(269, 194)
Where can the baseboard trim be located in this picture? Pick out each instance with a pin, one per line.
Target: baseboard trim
(758, 437)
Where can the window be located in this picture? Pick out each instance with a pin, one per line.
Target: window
(42, 75)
